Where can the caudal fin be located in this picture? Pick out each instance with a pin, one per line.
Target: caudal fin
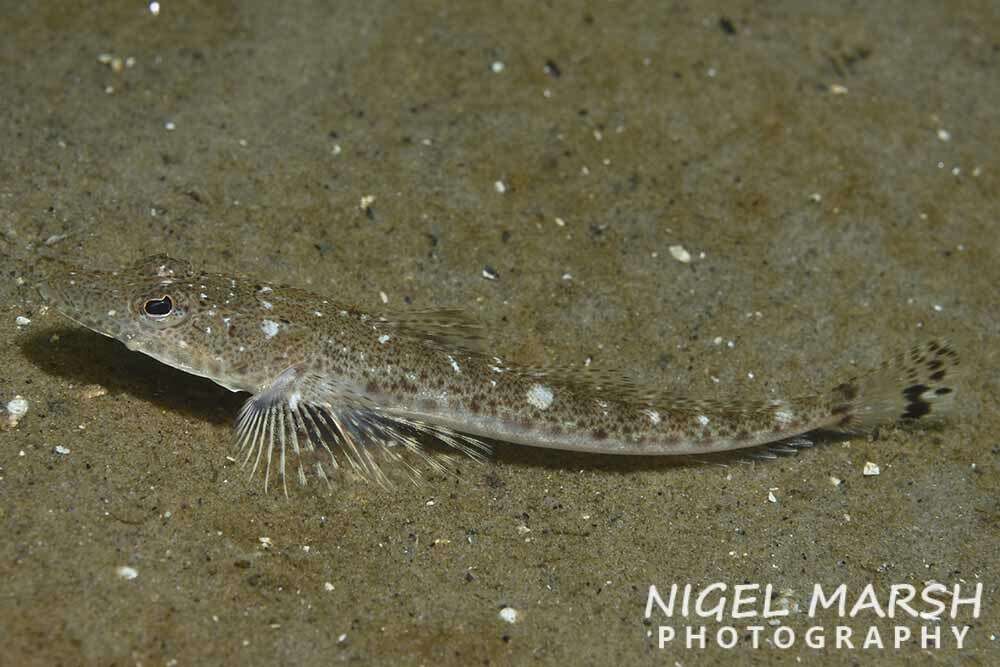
(917, 384)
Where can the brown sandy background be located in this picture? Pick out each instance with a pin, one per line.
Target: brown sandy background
(832, 169)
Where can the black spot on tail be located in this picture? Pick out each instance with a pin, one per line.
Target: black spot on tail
(916, 406)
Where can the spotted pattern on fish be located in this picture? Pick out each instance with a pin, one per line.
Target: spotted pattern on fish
(364, 388)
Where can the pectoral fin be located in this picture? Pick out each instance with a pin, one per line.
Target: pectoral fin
(323, 424)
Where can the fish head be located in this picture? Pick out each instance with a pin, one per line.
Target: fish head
(126, 304)
(156, 306)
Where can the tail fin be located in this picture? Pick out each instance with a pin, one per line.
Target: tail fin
(911, 385)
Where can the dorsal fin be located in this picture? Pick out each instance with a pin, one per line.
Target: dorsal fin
(444, 328)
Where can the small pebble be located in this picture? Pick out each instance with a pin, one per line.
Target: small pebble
(871, 469)
(680, 254)
(22, 321)
(490, 273)
(126, 572)
(509, 614)
(16, 407)
(62, 450)
(91, 391)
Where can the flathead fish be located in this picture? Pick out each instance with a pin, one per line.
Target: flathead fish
(333, 386)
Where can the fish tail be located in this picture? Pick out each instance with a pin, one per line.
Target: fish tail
(911, 385)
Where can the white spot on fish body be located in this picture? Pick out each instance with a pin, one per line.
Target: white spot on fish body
(782, 414)
(540, 396)
(270, 328)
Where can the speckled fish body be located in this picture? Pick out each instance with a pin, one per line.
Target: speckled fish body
(327, 378)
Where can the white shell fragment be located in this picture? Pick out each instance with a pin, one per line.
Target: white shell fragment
(871, 469)
(508, 614)
(126, 572)
(16, 408)
(679, 253)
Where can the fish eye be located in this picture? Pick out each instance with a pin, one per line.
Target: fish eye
(158, 307)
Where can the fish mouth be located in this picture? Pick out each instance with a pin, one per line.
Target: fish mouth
(49, 287)
(76, 293)
(53, 278)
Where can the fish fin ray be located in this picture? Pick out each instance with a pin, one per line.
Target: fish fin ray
(326, 428)
(448, 329)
